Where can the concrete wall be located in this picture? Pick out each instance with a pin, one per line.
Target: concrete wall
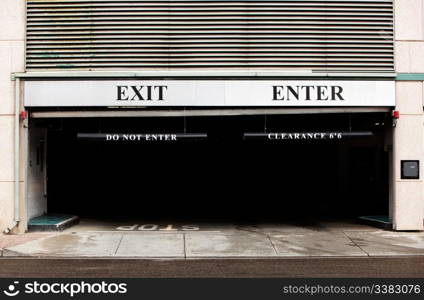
(408, 135)
(12, 43)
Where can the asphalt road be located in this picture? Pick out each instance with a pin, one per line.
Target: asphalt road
(382, 267)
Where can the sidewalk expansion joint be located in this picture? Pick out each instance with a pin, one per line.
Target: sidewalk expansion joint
(119, 244)
(353, 242)
(184, 246)
(272, 244)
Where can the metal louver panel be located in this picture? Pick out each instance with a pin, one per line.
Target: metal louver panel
(318, 35)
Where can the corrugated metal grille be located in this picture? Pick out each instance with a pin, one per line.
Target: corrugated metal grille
(318, 35)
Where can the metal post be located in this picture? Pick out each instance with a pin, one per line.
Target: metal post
(17, 147)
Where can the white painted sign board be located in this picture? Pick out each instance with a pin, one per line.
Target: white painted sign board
(277, 93)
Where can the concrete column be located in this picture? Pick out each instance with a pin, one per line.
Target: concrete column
(408, 195)
(408, 144)
(12, 43)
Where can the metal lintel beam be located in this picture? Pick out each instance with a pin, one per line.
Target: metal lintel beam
(197, 74)
(202, 112)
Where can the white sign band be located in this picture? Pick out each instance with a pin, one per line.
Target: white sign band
(279, 93)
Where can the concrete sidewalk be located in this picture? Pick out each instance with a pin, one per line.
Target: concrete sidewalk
(7, 241)
(260, 241)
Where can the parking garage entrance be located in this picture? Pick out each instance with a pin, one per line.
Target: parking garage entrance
(220, 168)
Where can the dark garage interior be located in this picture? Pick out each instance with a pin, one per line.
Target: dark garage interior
(223, 177)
